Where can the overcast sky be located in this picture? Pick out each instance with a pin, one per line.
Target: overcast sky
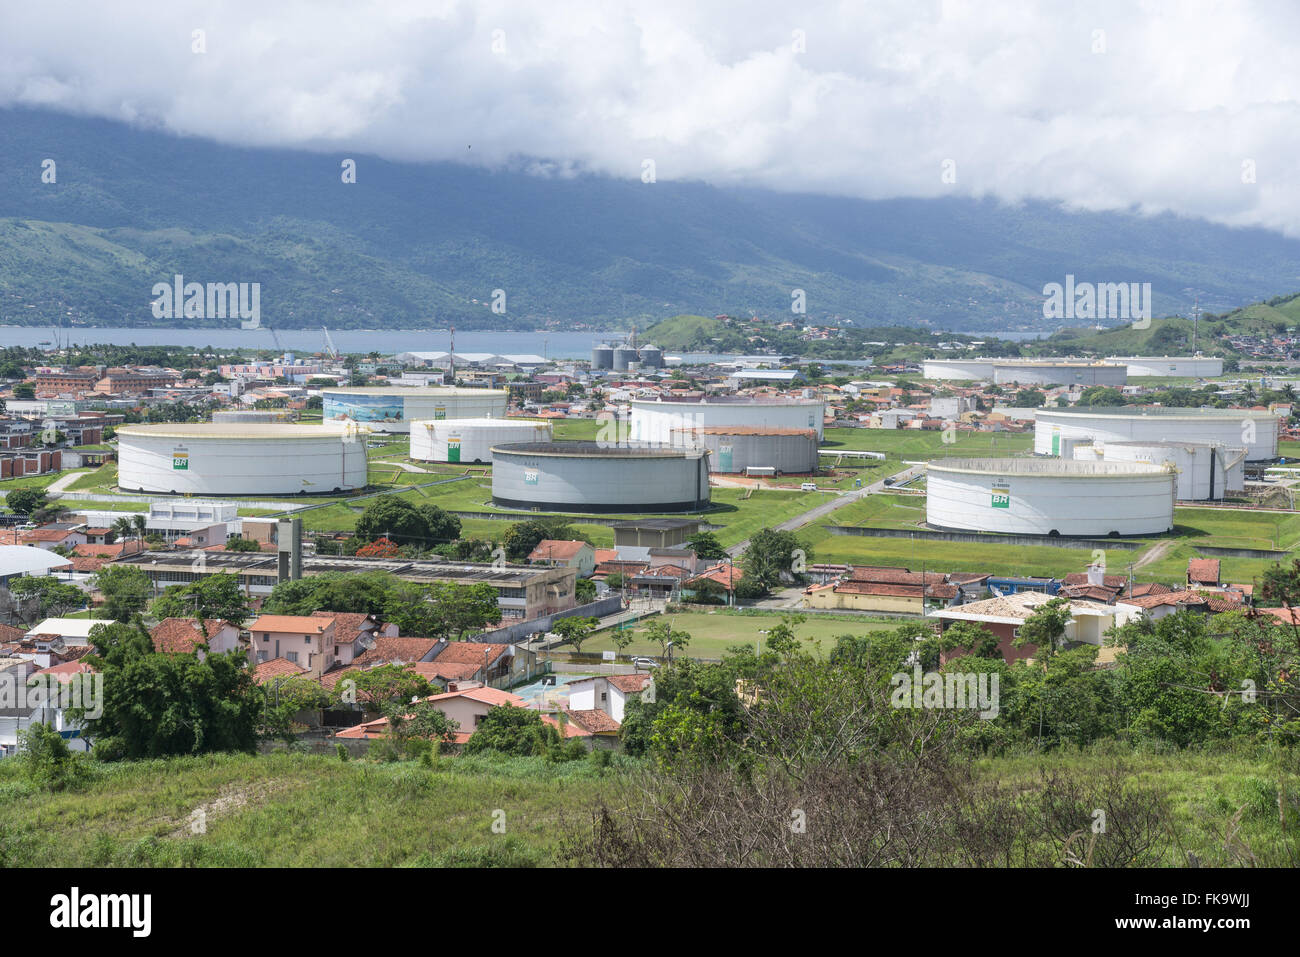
(1103, 105)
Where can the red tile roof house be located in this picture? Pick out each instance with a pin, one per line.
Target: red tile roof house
(466, 707)
(592, 725)
(607, 693)
(1203, 571)
(354, 633)
(569, 554)
(277, 668)
(185, 637)
(305, 640)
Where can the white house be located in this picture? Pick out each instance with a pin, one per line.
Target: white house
(607, 693)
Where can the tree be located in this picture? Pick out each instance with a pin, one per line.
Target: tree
(157, 705)
(663, 632)
(242, 545)
(393, 518)
(1044, 628)
(25, 501)
(771, 555)
(463, 608)
(213, 596)
(510, 730)
(575, 630)
(381, 685)
(52, 597)
(126, 590)
(521, 538)
(379, 548)
(366, 593)
(441, 527)
(1100, 395)
(706, 546)
(584, 591)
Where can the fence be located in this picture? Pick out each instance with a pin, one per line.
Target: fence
(925, 534)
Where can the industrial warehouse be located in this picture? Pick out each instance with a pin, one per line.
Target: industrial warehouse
(659, 420)
(592, 477)
(471, 440)
(1057, 431)
(1055, 498)
(240, 459)
(393, 409)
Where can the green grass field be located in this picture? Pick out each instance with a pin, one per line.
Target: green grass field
(712, 633)
(924, 445)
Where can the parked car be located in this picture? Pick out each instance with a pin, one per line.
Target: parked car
(889, 481)
(808, 487)
(639, 663)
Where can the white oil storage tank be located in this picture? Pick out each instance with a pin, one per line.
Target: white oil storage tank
(1257, 432)
(582, 476)
(1054, 497)
(471, 440)
(1059, 372)
(958, 369)
(1195, 367)
(391, 409)
(659, 420)
(735, 449)
(241, 459)
(1205, 472)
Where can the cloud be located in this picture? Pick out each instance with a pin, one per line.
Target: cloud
(1190, 106)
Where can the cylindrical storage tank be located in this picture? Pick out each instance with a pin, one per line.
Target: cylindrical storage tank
(1059, 373)
(471, 440)
(652, 357)
(602, 357)
(958, 369)
(656, 420)
(1232, 428)
(622, 356)
(248, 415)
(1205, 472)
(1059, 497)
(1197, 367)
(392, 409)
(240, 459)
(735, 450)
(589, 477)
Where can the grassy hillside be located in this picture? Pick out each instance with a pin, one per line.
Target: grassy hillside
(293, 810)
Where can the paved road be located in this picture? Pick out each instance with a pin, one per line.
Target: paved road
(820, 511)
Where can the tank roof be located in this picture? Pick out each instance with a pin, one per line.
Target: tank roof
(239, 430)
(1154, 411)
(1046, 468)
(482, 421)
(424, 390)
(575, 448)
(727, 400)
(744, 430)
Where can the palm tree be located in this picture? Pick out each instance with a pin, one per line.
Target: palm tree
(138, 522)
(123, 529)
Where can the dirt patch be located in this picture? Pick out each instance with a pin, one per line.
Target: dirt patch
(230, 800)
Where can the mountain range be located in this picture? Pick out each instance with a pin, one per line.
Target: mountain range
(414, 245)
